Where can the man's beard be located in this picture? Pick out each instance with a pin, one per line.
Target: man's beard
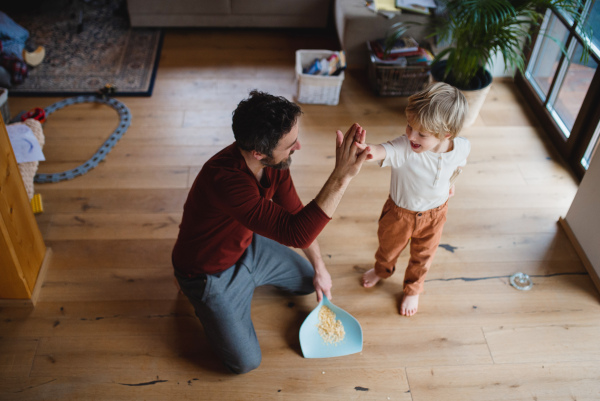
(282, 165)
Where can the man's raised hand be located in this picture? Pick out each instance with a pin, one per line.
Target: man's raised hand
(349, 155)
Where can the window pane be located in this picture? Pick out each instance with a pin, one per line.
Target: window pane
(573, 89)
(593, 20)
(548, 56)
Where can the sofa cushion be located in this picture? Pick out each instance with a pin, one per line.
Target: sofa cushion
(230, 13)
(205, 7)
(316, 8)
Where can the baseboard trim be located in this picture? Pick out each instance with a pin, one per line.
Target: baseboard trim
(580, 252)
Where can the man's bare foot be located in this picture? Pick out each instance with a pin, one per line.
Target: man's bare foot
(409, 305)
(370, 278)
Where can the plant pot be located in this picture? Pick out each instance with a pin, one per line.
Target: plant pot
(475, 93)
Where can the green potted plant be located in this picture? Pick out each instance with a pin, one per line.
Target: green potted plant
(477, 30)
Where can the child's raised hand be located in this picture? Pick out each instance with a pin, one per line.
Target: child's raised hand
(360, 135)
(360, 140)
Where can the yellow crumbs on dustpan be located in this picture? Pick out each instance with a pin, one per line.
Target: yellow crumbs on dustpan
(331, 330)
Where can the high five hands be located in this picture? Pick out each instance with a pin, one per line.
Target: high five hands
(360, 137)
(350, 151)
(349, 158)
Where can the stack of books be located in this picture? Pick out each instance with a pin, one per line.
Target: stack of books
(404, 52)
(391, 8)
(415, 6)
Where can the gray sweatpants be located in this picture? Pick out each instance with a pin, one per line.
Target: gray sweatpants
(222, 300)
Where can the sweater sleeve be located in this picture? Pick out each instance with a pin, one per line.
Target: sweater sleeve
(286, 194)
(240, 198)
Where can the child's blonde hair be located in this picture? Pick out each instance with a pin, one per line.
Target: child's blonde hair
(439, 109)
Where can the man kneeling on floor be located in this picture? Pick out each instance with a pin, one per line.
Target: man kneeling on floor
(241, 215)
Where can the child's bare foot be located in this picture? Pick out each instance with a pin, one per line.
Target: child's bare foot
(409, 305)
(370, 278)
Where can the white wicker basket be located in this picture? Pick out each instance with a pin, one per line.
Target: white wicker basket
(316, 89)
(4, 105)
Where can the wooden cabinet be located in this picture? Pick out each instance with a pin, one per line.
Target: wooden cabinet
(22, 248)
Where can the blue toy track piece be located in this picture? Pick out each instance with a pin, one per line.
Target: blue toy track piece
(125, 121)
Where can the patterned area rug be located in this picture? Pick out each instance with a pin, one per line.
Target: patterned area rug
(89, 44)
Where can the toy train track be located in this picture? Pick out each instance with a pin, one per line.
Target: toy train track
(105, 148)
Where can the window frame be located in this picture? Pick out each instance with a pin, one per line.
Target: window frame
(573, 148)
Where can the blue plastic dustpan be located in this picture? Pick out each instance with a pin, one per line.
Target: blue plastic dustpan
(313, 345)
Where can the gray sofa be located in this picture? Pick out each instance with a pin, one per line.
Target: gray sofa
(355, 23)
(229, 13)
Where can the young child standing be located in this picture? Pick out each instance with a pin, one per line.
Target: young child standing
(423, 162)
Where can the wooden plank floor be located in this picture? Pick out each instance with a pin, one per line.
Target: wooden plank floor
(110, 325)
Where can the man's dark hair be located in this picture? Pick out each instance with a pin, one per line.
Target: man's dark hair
(261, 120)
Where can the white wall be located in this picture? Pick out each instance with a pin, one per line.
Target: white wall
(497, 67)
(583, 216)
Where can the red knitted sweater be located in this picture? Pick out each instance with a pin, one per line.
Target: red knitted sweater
(226, 204)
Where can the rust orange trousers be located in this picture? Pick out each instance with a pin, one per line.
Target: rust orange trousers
(396, 227)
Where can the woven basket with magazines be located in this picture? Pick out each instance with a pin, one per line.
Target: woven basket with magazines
(397, 80)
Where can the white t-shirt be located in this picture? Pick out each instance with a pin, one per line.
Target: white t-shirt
(421, 181)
